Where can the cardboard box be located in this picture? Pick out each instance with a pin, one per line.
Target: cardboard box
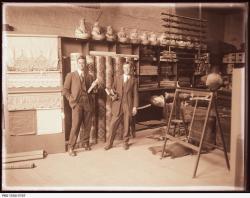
(225, 59)
(240, 57)
(230, 68)
(232, 58)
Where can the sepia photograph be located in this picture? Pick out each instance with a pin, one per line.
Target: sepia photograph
(124, 96)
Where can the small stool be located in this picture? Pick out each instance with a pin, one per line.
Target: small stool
(177, 124)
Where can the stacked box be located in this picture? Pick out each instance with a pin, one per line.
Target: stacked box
(230, 68)
(225, 59)
(101, 97)
(240, 57)
(229, 58)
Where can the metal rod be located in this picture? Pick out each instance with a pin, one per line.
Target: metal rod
(184, 17)
(221, 134)
(169, 121)
(183, 28)
(181, 22)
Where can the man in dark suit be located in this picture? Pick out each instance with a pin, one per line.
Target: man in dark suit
(75, 89)
(124, 95)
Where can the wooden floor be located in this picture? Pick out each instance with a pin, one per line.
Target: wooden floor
(117, 169)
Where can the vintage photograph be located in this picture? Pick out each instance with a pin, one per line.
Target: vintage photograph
(124, 96)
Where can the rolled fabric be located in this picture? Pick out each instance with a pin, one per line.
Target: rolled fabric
(109, 72)
(25, 156)
(109, 79)
(118, 68)
(19, 166)
(73, 61)
(100, 71)
(101, 98)
(90, 60)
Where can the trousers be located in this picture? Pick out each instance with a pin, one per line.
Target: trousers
(80, 116)
(124, 116)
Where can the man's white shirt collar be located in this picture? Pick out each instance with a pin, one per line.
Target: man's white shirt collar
(79, 72)
(125, 77)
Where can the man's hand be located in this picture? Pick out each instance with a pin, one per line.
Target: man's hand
(114, 97)
(134, 111)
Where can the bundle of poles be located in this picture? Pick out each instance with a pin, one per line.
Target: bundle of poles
(20, 160)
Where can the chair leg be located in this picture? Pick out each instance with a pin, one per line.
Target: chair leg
(179, 129)
(174, 130)
(184, 123)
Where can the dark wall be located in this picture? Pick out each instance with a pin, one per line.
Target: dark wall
(225, 28)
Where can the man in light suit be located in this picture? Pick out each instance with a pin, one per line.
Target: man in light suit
(124, 95)
(75, 89)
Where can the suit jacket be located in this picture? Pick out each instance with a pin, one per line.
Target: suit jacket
(131, 93)
(73, 87)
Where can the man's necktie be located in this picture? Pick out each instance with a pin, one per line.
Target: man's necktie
(81, 77)
(125, 78)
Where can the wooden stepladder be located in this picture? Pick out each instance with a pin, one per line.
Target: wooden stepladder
(197, 96)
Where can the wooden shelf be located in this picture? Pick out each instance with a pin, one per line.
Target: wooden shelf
(74, 39)
(136, 45)
(32, 72)
(32, 35)
(185, 49)
(128, 43)
(171, 75)
(161, 61)
(148, 45)
(199, 74)
(167, 87)
(102, 41)
(149, 59)
(155, 89)
(23, 90)
(148, 74)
